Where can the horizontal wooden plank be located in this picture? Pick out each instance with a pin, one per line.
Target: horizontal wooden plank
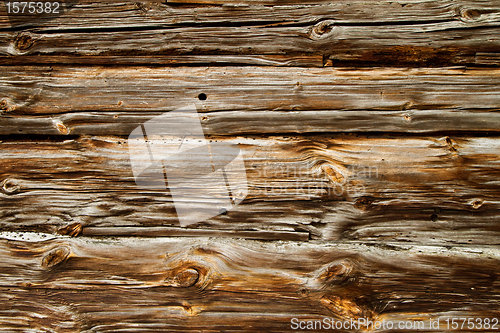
(173, 60)
(89, 15)
(248, 100)
(209, 284)
(432, 33)
(439, 190)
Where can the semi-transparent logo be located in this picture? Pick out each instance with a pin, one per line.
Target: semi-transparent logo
(205, 178)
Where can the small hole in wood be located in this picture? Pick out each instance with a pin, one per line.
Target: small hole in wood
(202, 97)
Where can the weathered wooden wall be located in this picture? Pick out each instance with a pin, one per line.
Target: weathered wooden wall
(370, 132)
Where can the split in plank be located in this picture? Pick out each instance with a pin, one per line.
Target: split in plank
(435, 190)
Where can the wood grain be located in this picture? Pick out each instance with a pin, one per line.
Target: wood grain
(175, 284)
(428, 190)
(156, 14)
(248, 100)
(415, 33)
(370, 133)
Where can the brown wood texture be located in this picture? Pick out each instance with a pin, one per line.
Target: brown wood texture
(370, 134)
(344, 187)
(182, 285)
(249, 100)
(421, 33)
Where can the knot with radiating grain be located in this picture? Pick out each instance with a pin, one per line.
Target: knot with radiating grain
(55, 257)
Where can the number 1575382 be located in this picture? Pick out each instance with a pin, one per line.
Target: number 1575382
(33, 8)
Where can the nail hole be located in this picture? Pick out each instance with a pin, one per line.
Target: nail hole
(202, 97)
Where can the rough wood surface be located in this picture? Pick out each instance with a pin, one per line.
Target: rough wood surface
(373, 176)
(248, 100)
(430, 33)
(212, 285)
(428, 190)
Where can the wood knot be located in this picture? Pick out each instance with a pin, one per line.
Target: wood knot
(333, 175)
(468, 14)
(476, 203)
(333, 274)
(322, 29)
(189, 310)
(3, 105)
(363, 203)
(139, 6)
(61, 128)
(337, 272)
(344, 308)
(10, 186)
(407, 106)
(55, 257)
(449, 142)
(193, 271)
(73, 230)
(23, 42)
(6, 105)
(186, 278)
